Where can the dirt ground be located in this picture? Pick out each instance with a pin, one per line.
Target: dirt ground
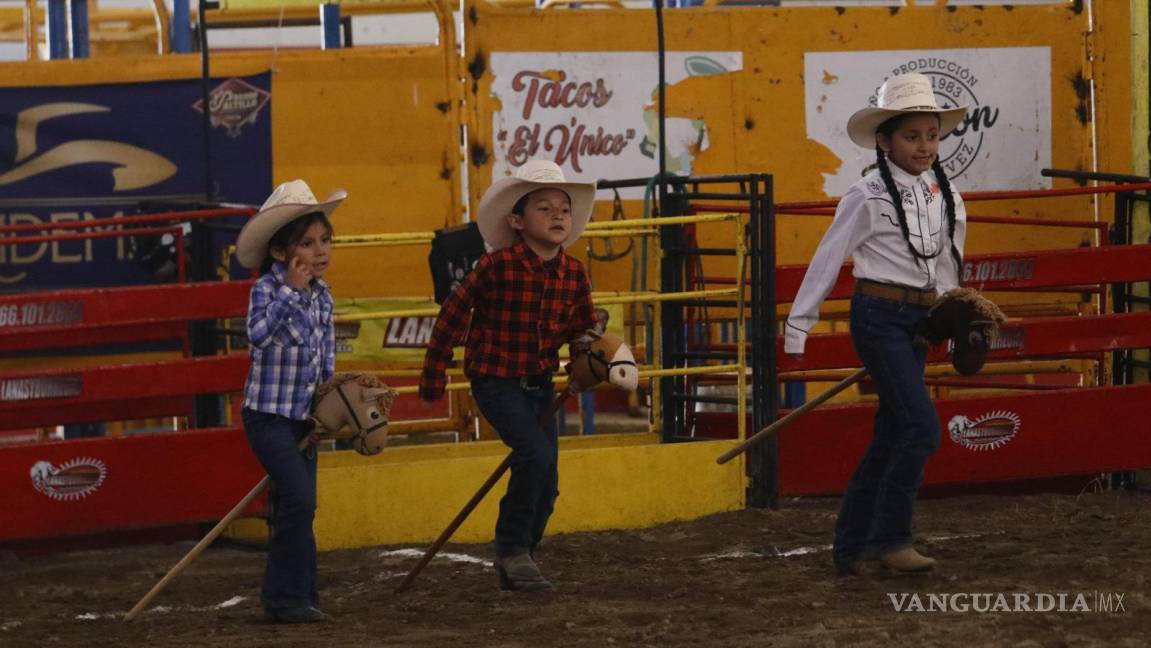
(749, 578)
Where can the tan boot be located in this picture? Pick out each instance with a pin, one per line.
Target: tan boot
(907, 559)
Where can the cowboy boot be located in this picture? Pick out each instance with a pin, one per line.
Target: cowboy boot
(853, 567)
(291, 615)
(520, 574)
(907, 559)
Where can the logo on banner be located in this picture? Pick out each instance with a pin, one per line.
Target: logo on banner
(346, 331)
(1009, 338)
(954, 84)
(987, 432)
(999, 270)
(234, 103)
(72, 480)
(569, 142)
(41, 387)
(409, 332)
(41, 313)
(596, 112)
(132, 167)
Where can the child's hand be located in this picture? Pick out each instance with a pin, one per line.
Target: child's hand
(299, 275)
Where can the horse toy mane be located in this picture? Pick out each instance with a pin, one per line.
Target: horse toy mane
(970, 321)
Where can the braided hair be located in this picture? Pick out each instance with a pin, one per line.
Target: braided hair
(949, 202)
(887, 128)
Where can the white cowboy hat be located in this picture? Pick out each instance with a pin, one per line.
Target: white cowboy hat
(906, 93)
(287, 203)
(504, 193)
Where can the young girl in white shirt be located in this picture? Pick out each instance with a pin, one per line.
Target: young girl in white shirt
(904, 226)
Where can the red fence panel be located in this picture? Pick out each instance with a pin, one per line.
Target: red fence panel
(1014, 270)
(116, 392)
(87, 486)
(72, 318)
(1000, 438)
(1031, 338)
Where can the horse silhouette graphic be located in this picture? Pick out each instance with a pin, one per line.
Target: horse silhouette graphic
(133, 167)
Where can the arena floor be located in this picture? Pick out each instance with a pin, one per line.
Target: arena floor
(749, 578)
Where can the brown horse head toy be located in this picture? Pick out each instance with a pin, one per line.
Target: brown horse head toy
(357, 402)
(606, 359)
(970, 321)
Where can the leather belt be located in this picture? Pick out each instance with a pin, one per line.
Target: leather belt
(536, 382)
(892, 292)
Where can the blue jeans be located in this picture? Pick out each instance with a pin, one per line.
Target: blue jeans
(290, 575)
(514, 412)
(878, 504)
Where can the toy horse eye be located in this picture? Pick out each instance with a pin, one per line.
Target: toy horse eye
(375, 414)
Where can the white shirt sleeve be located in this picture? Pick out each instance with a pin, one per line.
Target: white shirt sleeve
(851, 226)
(948, 274)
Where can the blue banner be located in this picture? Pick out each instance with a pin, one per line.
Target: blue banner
(94, 152)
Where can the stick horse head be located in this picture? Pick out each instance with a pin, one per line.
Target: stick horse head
(358, 402)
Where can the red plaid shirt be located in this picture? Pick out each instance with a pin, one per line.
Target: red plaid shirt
(525, 309)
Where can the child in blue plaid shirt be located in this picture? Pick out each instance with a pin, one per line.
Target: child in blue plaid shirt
(292, 345)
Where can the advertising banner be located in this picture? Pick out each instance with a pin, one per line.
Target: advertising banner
(595, 113)
(87, 153)
(403, 340)
(1002, 144)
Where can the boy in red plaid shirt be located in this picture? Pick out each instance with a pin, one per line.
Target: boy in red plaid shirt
(521, 303)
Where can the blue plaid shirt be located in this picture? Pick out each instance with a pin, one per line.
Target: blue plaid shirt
(292, 343)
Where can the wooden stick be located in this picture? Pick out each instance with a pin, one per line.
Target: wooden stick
(203, 544)
(791, 416)
(478, 497)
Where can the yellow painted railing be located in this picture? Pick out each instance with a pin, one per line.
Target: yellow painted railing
(646, 226)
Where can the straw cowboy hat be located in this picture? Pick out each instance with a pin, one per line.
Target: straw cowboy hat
(906, 93)
(287, 203)
(504, 193)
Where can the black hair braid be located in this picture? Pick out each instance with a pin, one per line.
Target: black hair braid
(897, 200)
(949, 201)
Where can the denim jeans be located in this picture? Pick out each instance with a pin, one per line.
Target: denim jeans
(878, 504)
(290, 575)
(514, 412)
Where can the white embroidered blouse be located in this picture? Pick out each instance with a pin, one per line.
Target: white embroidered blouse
(866, 228)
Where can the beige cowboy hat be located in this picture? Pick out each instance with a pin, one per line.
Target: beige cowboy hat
(504, 193)
(906, 93)
(288, 202)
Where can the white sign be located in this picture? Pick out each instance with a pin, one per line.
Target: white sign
(596, 114)
(1003, 143)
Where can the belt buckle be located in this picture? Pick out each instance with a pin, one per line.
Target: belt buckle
(540, 382)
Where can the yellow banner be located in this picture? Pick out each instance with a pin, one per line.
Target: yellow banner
(402, 340)
(398, 340)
